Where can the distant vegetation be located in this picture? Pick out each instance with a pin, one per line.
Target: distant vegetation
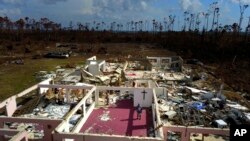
(218, 42)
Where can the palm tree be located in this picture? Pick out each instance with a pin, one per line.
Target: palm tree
(215, 9)
(186, 19)
(171, 22)
(1, 22)
(132, 25)
(227, 28)
(242, 10)
(154, 25)
(248, 26)
(206, 20)
(235, 27)
(80, 26)
(45, 22)
(191, 22)
(27, 24)
(8, 23)
(198, 21)
(103, 24)
(165, 22)
(146, 25)
(217, 21)
(20, 24)
(128, 23)
(140, 25)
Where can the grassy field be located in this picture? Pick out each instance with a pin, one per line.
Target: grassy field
(15, 78)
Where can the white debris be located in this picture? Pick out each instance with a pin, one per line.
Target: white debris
(238, 106)
(194, 90)
(170, 114)
(221, 123)
(247, 115)
(57, 111)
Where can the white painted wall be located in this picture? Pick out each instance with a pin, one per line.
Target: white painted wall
(90, 59)
(159, 62)
(94, 69)
(102, 65)
(160, 91)
(138, 97)
(45, 82)
(11, 106)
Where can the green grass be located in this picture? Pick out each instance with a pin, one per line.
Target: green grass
(16, 78)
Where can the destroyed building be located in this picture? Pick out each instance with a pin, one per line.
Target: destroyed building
(97, 101)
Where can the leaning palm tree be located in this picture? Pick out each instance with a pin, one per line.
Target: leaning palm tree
(242, 10)
(215, 9)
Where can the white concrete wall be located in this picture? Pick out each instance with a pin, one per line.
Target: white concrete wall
(138, 97)
(160, 91)
(118, 138)
(102, 65)
(11, 106)
(94, 69)
(159, 62)
(90, 59)
(96, 137)
(45, 82)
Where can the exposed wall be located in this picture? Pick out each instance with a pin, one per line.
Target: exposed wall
(11, 106)
(160, 61)
(94, 137)
(174, 62)
(90, 59)
(86, 112)
(48, 124)
(186, 131)
(16, 135)
(45, 82)
(160, 91)
(10, 103)
(94, 69)
(140, 99)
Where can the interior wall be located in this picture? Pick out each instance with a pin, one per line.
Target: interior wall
(140, 99)
(94, 69)
(160, 91)
(11, 107)
(45, 82)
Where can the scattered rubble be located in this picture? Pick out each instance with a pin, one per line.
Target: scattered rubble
(192, 97)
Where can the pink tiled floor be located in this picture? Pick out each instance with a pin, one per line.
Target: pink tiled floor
(123, 120)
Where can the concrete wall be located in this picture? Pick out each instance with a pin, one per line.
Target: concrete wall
(95, 137)
(167, 62)
(158, 122)
(82, 104)
(102, 65)
(160, 61)
(139, 99)
(45, 82)
(186, 131)
(11, 106)
(16, 135)
(48, 124)
(10, 103)
(160, 91)
(94, 69)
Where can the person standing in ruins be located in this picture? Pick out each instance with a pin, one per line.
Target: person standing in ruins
(139, 111)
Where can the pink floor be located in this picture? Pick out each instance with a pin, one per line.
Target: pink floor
(122, 120)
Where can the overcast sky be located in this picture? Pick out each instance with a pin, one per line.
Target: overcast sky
(64, 11)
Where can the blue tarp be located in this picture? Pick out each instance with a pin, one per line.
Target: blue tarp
(198, 105)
